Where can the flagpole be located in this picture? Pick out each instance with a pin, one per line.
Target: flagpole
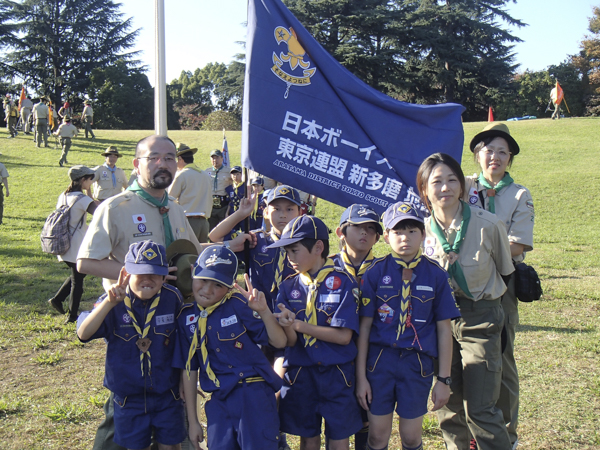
(160, 85)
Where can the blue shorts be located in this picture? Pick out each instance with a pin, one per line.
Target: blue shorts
(311, 394)
(399, 377)
(135, 419)
(245, 419)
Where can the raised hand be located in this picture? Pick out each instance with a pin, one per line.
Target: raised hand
(256, 299)
(117, 292)
(247, 204)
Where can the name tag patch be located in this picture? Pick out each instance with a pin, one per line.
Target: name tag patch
(229, 321)
(424, 288)
(329, 298)
(166, 319)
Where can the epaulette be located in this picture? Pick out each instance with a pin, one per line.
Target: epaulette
(184, 308)
(485, 215)
(114, 202)
(437, 264)
(173, 289)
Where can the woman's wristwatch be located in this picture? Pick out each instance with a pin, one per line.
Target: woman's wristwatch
(447, 380)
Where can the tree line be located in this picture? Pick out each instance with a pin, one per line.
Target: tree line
(418, 51)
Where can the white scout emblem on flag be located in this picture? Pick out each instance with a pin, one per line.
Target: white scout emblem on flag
(294, 56)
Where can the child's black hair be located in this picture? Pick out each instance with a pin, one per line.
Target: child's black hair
(310, 243)
(409, 223)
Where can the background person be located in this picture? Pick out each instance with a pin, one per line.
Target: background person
(11, 112)
(110, 179)
(3, 183)
(192, 190)
(220, 179)
(81, 179)
(66, 131)
(40, 117)
(88, 119)
(495, 191)
(471, 244)
(26, 106)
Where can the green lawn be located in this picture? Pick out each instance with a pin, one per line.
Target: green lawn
(51, 390)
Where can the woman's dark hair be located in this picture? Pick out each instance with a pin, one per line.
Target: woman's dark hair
(75, 185)
(485, 142)
(427, 167)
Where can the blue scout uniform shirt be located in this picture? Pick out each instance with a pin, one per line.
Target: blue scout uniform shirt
(337, 306)
(235, 195)
(123, 374)
(234, 333)
(432, 300)
(263, 264)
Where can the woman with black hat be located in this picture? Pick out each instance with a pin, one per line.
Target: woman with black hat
(495, 191)
(81, 180)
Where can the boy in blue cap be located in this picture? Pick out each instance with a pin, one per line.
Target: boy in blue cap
(137, 319)
(407, 304)
(319, 383)
(358, 232)
(218, 334)
(268, 266)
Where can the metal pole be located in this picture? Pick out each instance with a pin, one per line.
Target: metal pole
(160, 85)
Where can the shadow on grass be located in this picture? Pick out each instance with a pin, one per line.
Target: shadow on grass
(522, 328)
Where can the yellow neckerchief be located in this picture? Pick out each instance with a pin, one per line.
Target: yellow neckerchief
(313, 287)
(350, 267)
(255, 210)
(281, 255)
(406, 279)
(142, 333)
(201, 325)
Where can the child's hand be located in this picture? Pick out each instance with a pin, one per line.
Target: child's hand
(256, 299)
(196, 434)
(117, 292)
(286, 318)
(440, 395)
(363, 393)
(247, 205)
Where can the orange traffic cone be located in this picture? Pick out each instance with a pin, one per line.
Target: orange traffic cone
(490, 115)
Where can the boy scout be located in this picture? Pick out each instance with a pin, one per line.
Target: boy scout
(110, 179)
(137, 319)
(407, 305)
(319, 383)
(219, 333)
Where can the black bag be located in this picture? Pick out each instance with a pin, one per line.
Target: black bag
(527, 283)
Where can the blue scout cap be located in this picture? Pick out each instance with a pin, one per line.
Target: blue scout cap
(146, 258)
(216, 263)
(258, 180)
(398, 212)
(286, 192)
(235, 169)
(303, 227)
(357, 214)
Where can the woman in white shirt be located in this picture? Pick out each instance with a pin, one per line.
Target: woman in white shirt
(82, 178)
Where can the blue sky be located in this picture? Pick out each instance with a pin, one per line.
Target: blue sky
(202, 31)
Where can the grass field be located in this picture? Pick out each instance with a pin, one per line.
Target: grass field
(51, 392)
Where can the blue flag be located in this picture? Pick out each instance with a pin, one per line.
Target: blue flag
(308, 122)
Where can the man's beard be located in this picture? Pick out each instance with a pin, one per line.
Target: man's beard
(160, 184)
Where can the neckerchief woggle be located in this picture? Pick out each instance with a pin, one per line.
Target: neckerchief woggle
(493, 190)
(311, 304)
(143, 343)
(201, 325)
(350, 267)
(405, 299)
(454, 269)
(162, 209)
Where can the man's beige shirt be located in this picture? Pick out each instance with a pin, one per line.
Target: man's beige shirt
(192, 189)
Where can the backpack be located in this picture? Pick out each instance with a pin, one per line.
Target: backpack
(527, 283)
(55, 237)
(14, 111)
